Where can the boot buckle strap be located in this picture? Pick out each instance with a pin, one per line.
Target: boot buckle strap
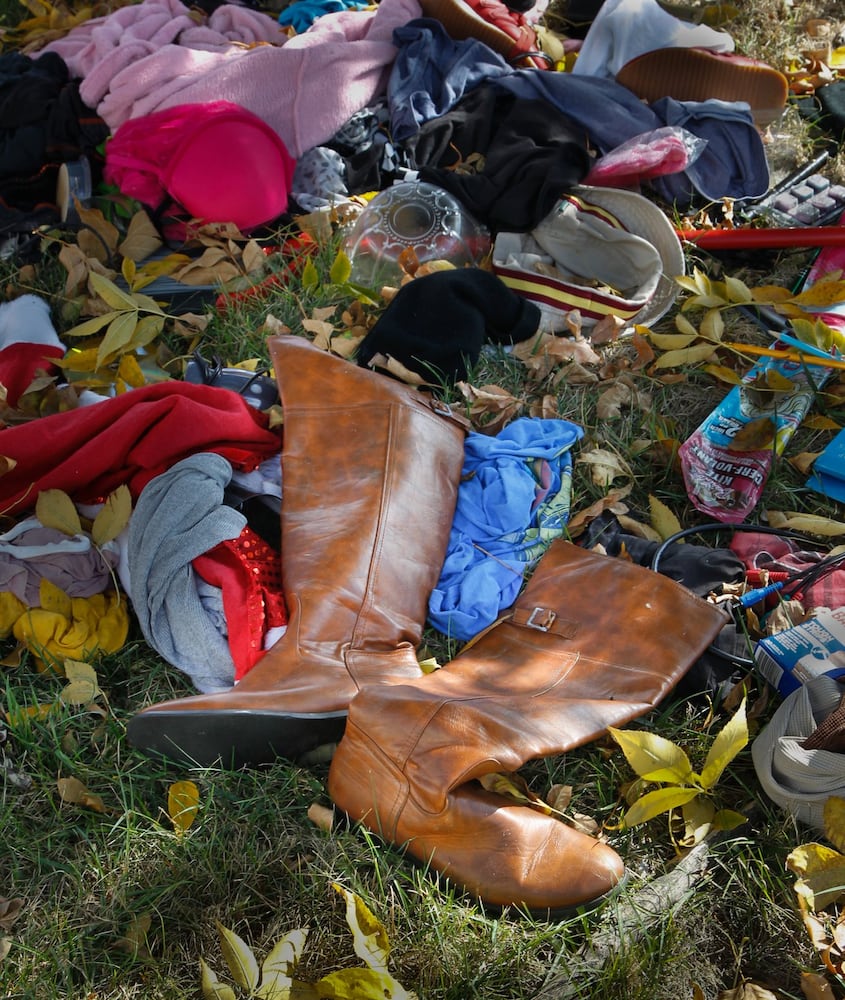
(541, 618)
(442, 409)
(544, 620)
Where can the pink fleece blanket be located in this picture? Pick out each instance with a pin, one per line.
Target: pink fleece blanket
(154, 55)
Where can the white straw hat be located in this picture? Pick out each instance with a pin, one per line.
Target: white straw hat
(797, 779)
(603, 251)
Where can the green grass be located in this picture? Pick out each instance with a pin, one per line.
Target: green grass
(254, 861)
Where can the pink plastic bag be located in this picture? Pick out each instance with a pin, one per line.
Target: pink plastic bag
(667, 150)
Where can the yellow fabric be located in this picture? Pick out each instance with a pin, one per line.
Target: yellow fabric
(11, 608)
(83, 628)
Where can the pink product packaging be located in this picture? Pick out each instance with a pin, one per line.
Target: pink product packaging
(726, 483)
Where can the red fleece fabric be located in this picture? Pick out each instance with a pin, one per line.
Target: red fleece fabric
(129, 439)
(21, 362)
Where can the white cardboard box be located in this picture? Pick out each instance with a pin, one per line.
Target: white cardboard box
(796, 655)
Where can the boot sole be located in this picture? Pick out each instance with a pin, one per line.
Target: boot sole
(698, 75)
(231, 740)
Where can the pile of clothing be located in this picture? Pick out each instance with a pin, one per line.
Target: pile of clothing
(389, 512)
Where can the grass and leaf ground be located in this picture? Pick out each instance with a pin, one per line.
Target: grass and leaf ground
(122, 877)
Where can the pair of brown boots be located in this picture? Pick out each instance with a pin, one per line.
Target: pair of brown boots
(370, 475)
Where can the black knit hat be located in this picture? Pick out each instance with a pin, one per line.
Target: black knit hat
(437, 324)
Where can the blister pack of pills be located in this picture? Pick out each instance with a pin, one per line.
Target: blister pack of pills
(813, 201)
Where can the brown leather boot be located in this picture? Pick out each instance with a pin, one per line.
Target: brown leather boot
(593, 641)
(370, 470)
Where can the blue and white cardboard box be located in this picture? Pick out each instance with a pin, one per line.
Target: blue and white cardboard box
(796, 655)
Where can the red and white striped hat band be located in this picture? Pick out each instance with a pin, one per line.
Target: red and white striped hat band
(603, 252)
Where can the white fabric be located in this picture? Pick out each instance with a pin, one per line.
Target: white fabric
(625, 29)
(799, 780)
(27, 320)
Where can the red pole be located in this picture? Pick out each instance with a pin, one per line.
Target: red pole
(764, 239)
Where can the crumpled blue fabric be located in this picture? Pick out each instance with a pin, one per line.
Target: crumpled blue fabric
(301, 14)
(432, 71)
(513, 501)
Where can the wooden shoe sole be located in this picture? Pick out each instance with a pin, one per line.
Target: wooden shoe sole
(688, 74)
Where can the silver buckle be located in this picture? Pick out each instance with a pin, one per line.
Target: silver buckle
(544, 624)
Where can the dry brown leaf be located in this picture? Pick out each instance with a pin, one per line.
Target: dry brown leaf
(545, 351)
(784, 615)
(756, 435)
(545, 408)
(142, 238)
(559, 797)
(645, 354)
(815, 927)
(74, 792)
(803, 461)
(607, 330)
(397, 369)
(253, 257)
(734, 697)
(748, 991)
(605, 466)
(219, 274)
(76, 263)
(345, 345)
(98, 238)
(322, 332)
(134, 941)
(585, 824)
(355, 315)
(610, 403)
(190, 326)
(820, 422)
(816, 987)
(612, 502)
(490, 406)
(273, 325)
(408, 261)
(513, 786)
(10, 910)
(317, 225)
(672, 378)
(634, 527)
(575, 374)
(215, 234)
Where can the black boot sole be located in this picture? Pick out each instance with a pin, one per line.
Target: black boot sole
(231, 740)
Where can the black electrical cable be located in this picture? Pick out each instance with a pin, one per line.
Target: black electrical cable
(802, 578)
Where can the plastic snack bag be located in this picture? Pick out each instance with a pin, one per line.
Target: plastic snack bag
(724, 473)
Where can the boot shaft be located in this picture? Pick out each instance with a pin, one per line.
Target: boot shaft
(592, 641)
(370, 471)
